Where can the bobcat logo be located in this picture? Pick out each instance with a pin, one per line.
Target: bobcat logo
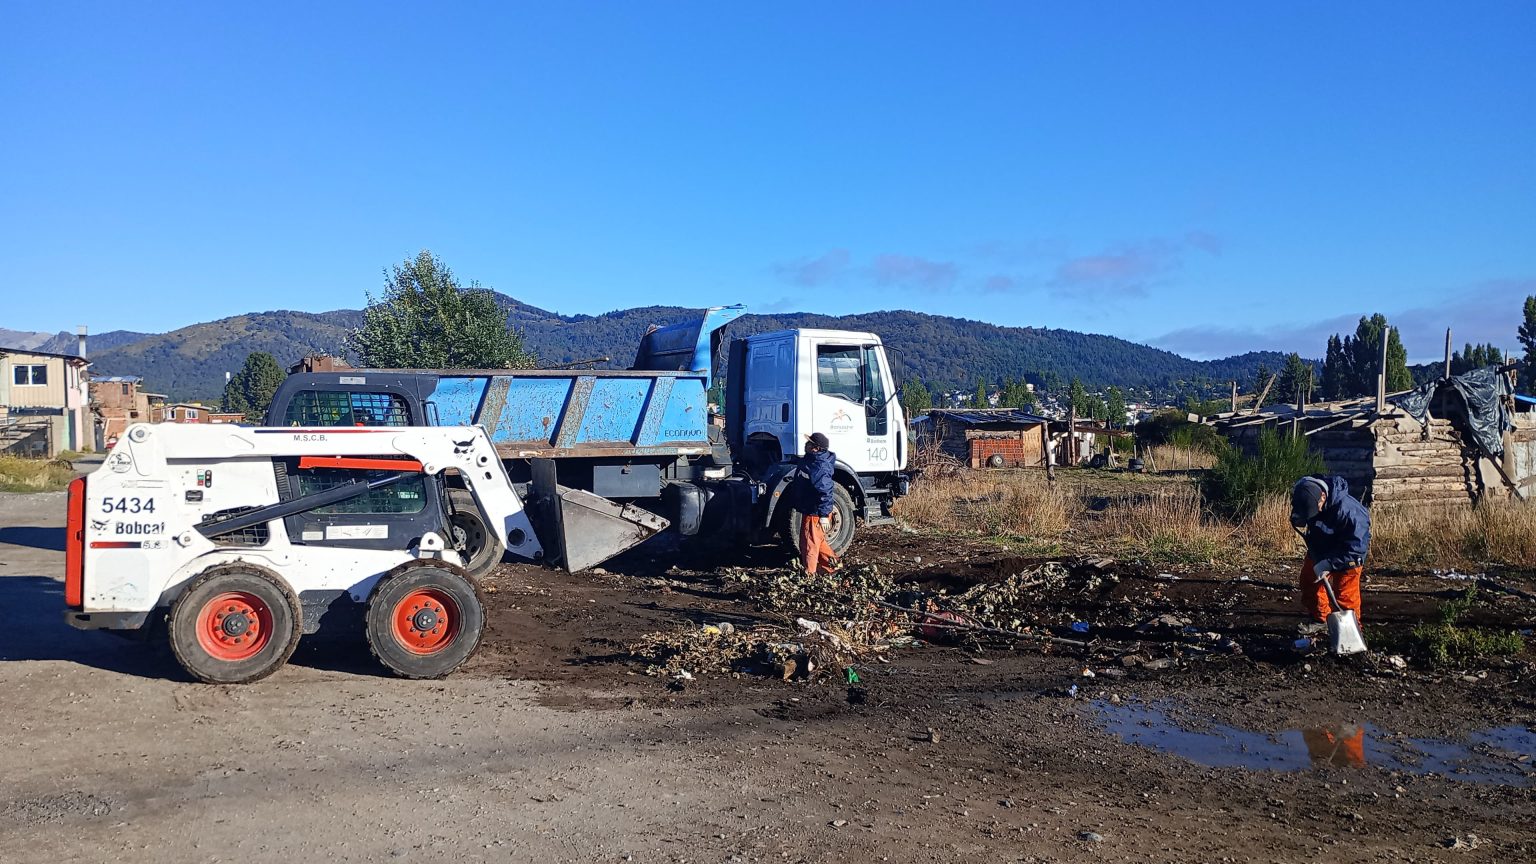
(98, 524)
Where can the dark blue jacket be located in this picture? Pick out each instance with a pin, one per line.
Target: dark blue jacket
(811, 490)
(1340, 536)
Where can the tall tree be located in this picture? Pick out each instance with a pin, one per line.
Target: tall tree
(1475, 357)
(979, 398)
(1334, 384)
(1262, 387)
(1016, 394)
(1115, 406)
(915, 398)
(1077, 397)
(250, 390)
(1295, 377)
(1351, 364)
(1527, 335)
(426, 319)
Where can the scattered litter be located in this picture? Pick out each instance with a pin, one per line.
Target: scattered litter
(851, 675)
(1090, 837)
(1396, 661)
(838, 823)
(1303, 644)
(933, 736)
(1168, 577)
(1470, 841)
(1088, 673)
(1080, 626)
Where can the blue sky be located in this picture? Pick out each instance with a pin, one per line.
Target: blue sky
(1207, 177)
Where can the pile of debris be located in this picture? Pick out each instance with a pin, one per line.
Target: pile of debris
(810, 653)
(858, 613)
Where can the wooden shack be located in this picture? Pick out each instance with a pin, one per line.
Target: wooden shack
(1003, 437)
(1391, 458)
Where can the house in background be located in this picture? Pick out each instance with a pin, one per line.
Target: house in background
(193, 412)
(45, 403)
(1006, 437)
(120, 402)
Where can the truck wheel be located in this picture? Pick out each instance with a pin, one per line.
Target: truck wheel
(235, 625)
(425, 619)
(472, 537)
(840, 536)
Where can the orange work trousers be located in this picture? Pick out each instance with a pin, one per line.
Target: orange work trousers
(815, 554)
(1346, 584)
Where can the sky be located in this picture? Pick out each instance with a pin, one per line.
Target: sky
(1209, 178)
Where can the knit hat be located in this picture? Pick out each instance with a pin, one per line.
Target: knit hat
(1307, 500)
(819, 441)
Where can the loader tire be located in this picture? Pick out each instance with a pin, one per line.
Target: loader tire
(234, 625)
(840, 537)
(424, 619)
(472, 537)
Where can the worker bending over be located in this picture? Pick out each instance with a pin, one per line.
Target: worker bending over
(1337, 529)
(812, 490)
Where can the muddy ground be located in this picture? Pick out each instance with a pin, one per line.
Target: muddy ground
(554, 745)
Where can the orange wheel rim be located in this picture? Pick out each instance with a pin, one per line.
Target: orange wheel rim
(234, 626)
(426, 621)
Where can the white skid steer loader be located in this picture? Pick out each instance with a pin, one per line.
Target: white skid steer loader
(239, 540)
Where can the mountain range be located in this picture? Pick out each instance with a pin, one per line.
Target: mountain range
(190, 363)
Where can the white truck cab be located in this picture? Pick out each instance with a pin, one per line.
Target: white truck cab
(831, 381)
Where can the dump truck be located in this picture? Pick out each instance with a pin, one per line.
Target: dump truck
(606, 459)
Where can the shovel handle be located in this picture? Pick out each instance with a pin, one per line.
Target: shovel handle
(1328, 586)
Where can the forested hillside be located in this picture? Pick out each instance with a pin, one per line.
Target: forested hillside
(944, 352)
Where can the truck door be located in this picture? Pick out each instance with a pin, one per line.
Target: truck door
(770, 391)
(851, 406)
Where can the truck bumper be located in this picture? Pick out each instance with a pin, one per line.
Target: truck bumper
(105, 620)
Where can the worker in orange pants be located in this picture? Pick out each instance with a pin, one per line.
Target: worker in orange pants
(1337, 530)
(812, 496)
(815, 552)
(1346, 583)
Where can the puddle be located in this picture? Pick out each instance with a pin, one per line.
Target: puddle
(1486, 756)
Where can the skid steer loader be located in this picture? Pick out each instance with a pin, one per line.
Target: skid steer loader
(239, 540)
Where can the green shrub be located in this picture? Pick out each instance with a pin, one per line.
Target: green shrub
(1239, 483)
(1446, 641)
(1171, 426)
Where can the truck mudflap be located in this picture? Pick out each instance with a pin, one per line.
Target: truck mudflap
(580, 530)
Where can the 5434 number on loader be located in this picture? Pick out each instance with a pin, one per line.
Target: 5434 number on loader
(240, 540)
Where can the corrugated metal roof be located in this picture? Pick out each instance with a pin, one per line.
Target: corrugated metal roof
(983, 416)
(120, 379)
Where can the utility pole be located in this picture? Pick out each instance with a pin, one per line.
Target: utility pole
(1234, 397)
(1381, 378)
(1447, 352)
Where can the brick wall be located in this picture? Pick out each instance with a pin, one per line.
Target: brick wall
(1016, 452)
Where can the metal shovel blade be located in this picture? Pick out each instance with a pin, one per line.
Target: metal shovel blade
(1344, 633)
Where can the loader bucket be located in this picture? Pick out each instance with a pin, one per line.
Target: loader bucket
(580, 530)
(594, 529)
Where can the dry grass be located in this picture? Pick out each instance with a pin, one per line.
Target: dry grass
(1015, 504)
(1497, 532)
(1162, 521)
(33, 475)
(1172, 457)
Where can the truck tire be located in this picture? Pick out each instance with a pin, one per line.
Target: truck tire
(235, 624)
(471, 536)
(840, 537)
(424, 619)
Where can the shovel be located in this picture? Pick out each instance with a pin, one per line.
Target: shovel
(1343, 628)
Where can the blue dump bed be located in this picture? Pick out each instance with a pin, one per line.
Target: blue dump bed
(594, 413)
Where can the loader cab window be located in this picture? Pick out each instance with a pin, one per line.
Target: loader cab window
(838, 372)
(405, 497)
(344, 408)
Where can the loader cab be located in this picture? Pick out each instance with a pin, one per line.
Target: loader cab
(831, 381)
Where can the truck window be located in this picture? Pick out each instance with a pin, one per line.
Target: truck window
(342, 408)
(407, 496)
(875, 414)
(838, 372)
